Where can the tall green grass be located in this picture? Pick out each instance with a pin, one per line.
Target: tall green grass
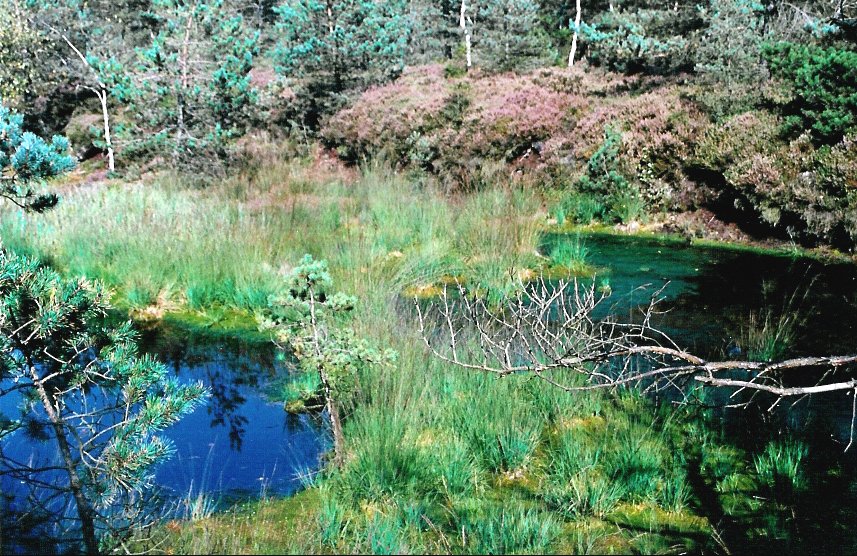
(779, 467)
(571, 254)
(171, 244)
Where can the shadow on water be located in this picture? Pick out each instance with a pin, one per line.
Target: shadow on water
(714, 301)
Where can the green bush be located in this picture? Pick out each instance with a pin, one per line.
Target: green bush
(605, 189)
(824, 85)
(571, 254)
(780, 467)
(385, 463)
(502, 431)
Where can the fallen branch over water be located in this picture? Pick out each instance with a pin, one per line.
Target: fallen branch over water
(550, 330)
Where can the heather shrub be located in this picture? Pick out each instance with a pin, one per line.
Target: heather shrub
(394, 117)
(803, 191)
(658, 131)
(509, 113)
(724, 144)
(454, 126)
(549, 120)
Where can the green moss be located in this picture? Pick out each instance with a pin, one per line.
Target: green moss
(270, 526)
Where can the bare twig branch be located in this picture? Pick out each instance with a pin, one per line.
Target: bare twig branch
(551, 331)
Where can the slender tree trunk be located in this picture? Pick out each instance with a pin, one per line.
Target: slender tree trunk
(329, 394)
(183, 84)
(101, 93)
(467, 42)
(335, 423)
(102, 96)
(573, 50)
(84, 509)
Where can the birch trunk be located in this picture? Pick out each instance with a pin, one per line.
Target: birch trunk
(467, 41)
(108, 142)
(101, 93)
(573, 50)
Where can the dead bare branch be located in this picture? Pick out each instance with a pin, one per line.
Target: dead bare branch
(553, 331)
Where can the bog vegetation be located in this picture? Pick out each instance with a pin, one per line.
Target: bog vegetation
(304, 170)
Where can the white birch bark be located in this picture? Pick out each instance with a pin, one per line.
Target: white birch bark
(573, 50)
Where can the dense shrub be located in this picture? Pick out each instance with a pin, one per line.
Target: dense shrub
(824, 86)
(804, 191)
(650, 40)
(545, 119)
(509, 113)
(392, 117)
(658, 125)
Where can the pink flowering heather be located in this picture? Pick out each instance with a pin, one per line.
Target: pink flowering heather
(551, 117)
(385, 116)
(510, 112)
(653, 124)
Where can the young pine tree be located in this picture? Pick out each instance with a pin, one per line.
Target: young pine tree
(309, 320)
(26, 161)
(77, 385)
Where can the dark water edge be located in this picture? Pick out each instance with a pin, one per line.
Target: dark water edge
(711, 297)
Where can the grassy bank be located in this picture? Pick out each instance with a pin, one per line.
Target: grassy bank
(166, 247)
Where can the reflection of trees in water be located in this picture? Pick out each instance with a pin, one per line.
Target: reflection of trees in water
(228, 367)
(736, 293)
(225, 402)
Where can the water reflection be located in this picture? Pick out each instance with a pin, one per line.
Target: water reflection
(240, 444)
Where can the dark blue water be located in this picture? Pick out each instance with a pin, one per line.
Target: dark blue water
(709, 296)
(240, 444)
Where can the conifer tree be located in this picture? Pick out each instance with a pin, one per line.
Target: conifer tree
(508, 36)
(435, 33)
(328, 49)
(309, 320)
(79, 386)
(190, 90)
(26, 161)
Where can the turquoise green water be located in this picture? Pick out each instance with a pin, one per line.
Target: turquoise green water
(710, 293)
(712, 300)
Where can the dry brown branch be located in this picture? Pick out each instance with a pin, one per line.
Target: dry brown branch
(562, 333)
